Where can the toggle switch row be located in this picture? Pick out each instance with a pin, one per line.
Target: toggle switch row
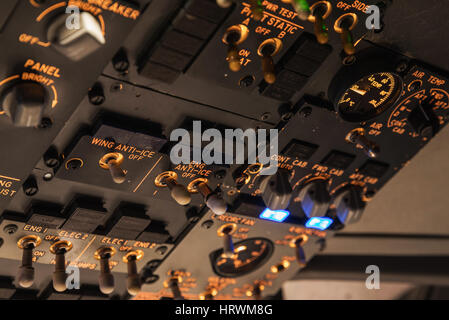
(318, 12)
(236, 35)
(25, 276)
(182, 194)
(314, 195)
(106, 279)
(347, 203)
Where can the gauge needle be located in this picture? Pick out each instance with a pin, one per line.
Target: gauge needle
(359, 91)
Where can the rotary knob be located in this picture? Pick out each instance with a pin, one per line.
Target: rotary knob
(276, 190)
(315, 198)
(423, 120)
(24, 103)
(349, 205)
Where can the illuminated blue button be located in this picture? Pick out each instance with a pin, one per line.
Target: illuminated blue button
(274, 215)
(319, 223)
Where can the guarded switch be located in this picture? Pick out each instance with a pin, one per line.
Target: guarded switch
(76, 42)
(24, 103)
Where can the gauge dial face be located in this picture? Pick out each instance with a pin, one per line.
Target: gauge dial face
(249, 255)
(370, 97)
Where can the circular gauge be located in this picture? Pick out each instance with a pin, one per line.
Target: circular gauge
(401, 118)
(370, 96)
(249, 255)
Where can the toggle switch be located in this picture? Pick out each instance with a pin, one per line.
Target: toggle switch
(173, 285)
(358, 138)
(133, 283)
(280, 267)
(255, 291)
(209, 294)
(224, 3)
(112, 162)
(343, 25)
(212, 199)
(60, 248)
(234, 36)
(76, 41)
(320, 11)
(106, 279)
(24, 103)
(276, 190)
(298, 243)
(226, 231)
(25, 276)
(178, 192)
(349, 204)
(257, 9)
(315, 197)
(267, 50)
(302, 8)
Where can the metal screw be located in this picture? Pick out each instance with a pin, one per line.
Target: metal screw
(265, 116)
(161, 250)
(153, 264)
(246, 81)
(52, 162)
(152, 278)
(348, 60)
(10, 229)
(120, 61)
(96, 94)
(46, 123)
(402, 67)
(194, 219)
(220, 174)
(305, 112)
(207, 224)
(30, 187)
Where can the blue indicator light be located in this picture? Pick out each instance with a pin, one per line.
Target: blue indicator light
(319, 223)
(274, 215)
